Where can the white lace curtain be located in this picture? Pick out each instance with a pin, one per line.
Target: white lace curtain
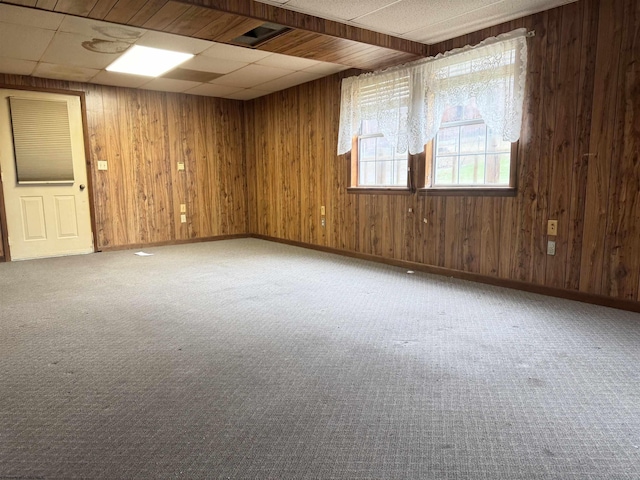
(406, 103)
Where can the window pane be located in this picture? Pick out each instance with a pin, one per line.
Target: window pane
(471, 170)
(379, 164)
(447, 141)
(367, 149)
(367, 173)
(445, 170)
(505, 168)
(384, 173)
(495, 142)
(473, 138)
(401, 172)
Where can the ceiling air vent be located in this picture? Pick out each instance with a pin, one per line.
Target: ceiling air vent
(260, 34)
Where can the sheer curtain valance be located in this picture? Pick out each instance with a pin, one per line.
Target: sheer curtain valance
(406, 103)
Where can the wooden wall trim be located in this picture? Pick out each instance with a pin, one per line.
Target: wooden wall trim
(174, 242)
(302, 21)
(4, 237)
(470, 276)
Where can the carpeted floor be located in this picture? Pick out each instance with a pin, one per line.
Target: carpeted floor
(250, 359)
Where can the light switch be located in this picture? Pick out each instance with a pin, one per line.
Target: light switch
(183, 218)
(102, 165)
(180, 166)
(183, 208)
(322, 210)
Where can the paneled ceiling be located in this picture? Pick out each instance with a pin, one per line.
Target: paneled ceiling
(76, 39)
(425, 21)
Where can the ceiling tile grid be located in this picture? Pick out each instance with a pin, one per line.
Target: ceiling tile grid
(68, 47)
(65, 47)
(425, 21)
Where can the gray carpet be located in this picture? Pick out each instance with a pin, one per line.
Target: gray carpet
(250, 359)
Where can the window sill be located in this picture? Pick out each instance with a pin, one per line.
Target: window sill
(380, 190)
(469, 191)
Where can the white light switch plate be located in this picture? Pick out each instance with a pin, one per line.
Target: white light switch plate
(102, 165)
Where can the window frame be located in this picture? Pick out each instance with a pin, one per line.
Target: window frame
(419, 172)
(426, 178)
(354, 173)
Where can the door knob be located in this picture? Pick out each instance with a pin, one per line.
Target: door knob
(82, 187)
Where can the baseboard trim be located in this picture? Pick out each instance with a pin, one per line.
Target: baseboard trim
(602, 300)
(172, 242)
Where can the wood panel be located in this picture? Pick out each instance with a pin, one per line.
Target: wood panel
(300, 43)
(301, 21)
(577, 163)
(222, 21)
(143, 135)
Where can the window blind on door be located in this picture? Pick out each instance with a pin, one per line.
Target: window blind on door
(42, 140)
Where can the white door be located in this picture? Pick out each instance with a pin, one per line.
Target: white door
(45, 219)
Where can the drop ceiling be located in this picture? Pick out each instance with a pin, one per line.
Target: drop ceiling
(75, 40)
(58, 46)
(424, 21)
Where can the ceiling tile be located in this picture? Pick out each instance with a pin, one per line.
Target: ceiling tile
(211, 90)
(214, 65)
(289, 81)
(169, 85)
(72, 49)
(475, 20)
(409, 15)
(176, 43)
(247, 94)
(251, 76)
(119, 79)
(326, 68)
(30, 17)
(65, 72)
(238, 54)
(339, 9)
(16, 66)
(286, 61)
(97, 29)
(26, 43)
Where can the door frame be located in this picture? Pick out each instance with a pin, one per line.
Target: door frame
(87, 159)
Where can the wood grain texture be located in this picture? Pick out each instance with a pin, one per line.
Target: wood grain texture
(577, 162)
(301, 21)
(222, 21)
(143, 135)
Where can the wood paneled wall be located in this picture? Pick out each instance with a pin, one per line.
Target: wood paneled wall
(577, 163)
(143, 135)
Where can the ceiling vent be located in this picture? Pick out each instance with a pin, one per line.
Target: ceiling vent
(259, 35)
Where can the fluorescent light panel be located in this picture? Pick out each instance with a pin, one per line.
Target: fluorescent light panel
(147, 61)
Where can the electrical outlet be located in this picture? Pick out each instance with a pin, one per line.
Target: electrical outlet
(183, 218)
(180, 166)
(323, 222)
(102, 165)
(551, 247)
(552, 227)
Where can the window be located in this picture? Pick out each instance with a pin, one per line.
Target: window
(377, 162)
(462, 108)
(467, 153)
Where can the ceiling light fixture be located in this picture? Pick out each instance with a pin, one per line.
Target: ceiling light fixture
(147, 61)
